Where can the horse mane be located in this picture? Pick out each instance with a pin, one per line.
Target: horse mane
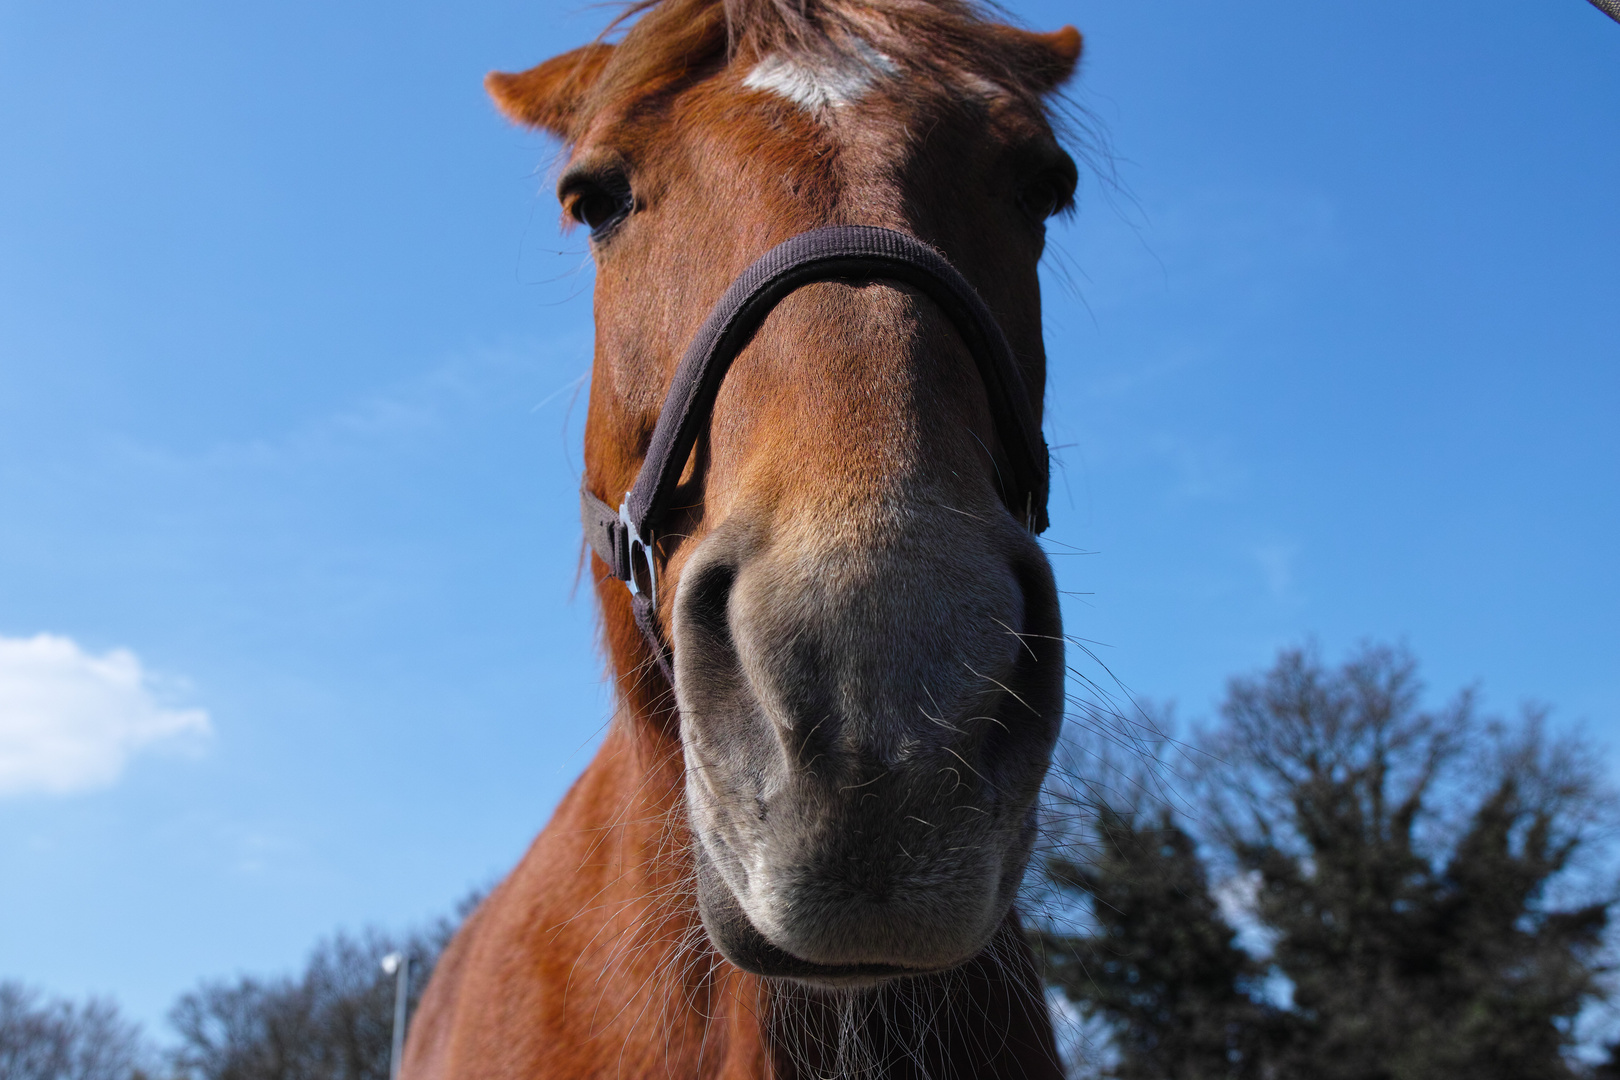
(665, 43)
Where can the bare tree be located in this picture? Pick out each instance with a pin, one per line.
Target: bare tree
(1421, 869)
(1427, 890)
(56, 1039)
(332, 1022)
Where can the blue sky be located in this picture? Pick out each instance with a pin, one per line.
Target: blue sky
(289, 345)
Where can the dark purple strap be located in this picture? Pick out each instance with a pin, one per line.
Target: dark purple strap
(837, 253)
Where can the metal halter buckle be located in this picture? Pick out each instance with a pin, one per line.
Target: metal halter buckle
(633, 540)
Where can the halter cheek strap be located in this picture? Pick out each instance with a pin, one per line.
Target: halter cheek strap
(622, 536)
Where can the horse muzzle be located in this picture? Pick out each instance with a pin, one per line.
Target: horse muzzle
(866, 718)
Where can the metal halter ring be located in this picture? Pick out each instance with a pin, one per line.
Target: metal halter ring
(632, 541)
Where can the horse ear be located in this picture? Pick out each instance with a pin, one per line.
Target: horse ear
(1049, 58)
(549, 96)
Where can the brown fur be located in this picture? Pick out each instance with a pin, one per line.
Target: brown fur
(590, 959)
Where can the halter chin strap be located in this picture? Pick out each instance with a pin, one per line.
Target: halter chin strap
(623, 536)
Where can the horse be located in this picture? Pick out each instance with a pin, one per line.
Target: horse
(838, 656)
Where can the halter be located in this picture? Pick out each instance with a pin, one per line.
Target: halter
(623, 537)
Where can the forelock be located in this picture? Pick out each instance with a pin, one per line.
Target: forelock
(669, 42)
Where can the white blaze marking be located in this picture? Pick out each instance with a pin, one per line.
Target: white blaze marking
(838, 79)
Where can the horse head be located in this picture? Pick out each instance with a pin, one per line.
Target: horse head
(861, 632)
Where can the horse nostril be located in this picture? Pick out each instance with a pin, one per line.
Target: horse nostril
(705, 605)
(1028, 719)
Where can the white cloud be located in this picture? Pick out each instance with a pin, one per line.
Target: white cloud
(69, 720)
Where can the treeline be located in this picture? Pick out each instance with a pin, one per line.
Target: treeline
(44, 1039)
(333, 1021)
(1332, 882)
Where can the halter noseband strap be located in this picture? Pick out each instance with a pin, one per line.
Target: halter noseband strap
(622, 537)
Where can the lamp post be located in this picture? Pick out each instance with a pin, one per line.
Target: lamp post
(398, 964)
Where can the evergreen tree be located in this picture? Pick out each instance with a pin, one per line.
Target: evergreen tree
(1160, 962)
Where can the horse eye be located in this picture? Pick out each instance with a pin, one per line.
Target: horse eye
(1051, 188)
(1040, 202)
(596, 208)
(597, 202)
(1047, 196)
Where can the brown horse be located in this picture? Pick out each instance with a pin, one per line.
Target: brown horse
(797, 850)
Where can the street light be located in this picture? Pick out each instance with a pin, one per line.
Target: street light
(398, 964)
